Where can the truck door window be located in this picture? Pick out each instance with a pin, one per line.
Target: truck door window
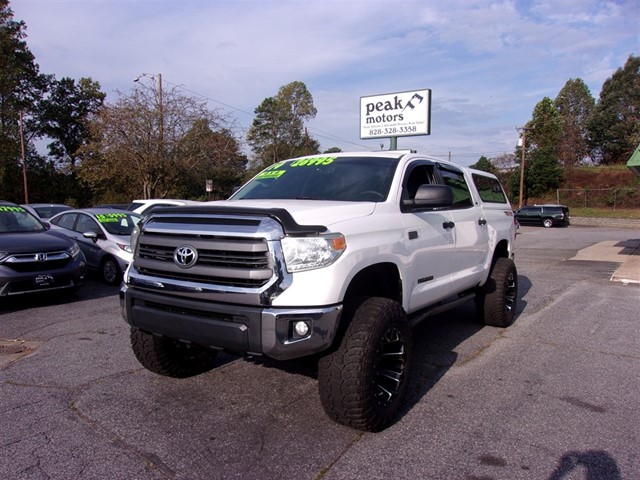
(421, 174)
(461, 194)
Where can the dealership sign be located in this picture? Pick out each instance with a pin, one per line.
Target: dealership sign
(396, 114)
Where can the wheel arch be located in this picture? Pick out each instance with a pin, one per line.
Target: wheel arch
(378, 280)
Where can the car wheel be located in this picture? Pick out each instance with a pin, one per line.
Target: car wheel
(547, 223)
(170, 358)
(110, 271)
(497, 299)
(363, 382)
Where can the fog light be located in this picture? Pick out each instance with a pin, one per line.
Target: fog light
(301, 328)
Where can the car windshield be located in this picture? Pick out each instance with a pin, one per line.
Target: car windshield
(118, 223)
(347, 179)
(14, 219)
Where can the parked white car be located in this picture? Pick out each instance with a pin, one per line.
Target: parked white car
(103, 235)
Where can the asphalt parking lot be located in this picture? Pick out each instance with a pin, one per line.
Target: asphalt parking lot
(556, 396)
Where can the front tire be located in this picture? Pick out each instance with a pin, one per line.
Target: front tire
(497, 299)
(170, 358)
(110, 271)
(363, 382)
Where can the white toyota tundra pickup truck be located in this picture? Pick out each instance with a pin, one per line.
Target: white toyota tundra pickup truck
(336, 256)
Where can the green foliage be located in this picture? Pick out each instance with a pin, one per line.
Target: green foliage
(485, 165)
(21, 85)
(278, 131)
(575, 105)
(615, 124)
(141, 148)
(65, 113)
(544, 174)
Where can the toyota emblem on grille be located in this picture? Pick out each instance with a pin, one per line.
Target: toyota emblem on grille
(185, 256)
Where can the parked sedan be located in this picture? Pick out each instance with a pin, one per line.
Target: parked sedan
(34, 259)
(104, 236)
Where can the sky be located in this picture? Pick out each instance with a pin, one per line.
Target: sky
(487, 62)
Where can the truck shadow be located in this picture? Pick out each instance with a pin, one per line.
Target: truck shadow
(437, 340)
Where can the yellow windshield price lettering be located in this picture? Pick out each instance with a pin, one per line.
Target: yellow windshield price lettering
(309, 162)
(271, 174)
(110, 217)
(11, 209)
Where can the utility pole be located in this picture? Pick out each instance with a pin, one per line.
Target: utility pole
(523, 130)
(24, 162)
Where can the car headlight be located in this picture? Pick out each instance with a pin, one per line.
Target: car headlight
(307, 253)
(125, 247)
(135, 235)
(73, 250)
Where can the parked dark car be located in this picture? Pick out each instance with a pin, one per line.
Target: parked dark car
(34, 259)
(545, 215)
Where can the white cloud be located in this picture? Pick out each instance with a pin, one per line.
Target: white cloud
(487, 63)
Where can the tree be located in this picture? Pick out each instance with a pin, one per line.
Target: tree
(141, 148)
(222, 162)
(64, 116)
(278, 131)
(615, 124)
(21, 86)
(484, 164)
(542, 139)
(575, 105)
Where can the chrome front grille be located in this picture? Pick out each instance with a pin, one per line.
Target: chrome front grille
(229, 261)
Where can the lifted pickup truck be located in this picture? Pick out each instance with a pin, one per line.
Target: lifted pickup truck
(336, 256)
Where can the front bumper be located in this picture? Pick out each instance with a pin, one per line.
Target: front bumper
(239, 329)
(71, 277)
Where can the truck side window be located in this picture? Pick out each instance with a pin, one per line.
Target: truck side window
(461, 194)
(489, 189)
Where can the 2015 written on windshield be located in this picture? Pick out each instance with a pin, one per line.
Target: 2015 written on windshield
(393, 130)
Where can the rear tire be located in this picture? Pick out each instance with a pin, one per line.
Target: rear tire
(170, 358)
(547, 222)
(363, 383)
(497, 299)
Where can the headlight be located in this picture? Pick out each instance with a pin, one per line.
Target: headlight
(307, 253)
(125, 247)
(135, 235)
(73, 250)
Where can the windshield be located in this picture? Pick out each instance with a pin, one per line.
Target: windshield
(14, 219)
(118, 223)
(346, 179)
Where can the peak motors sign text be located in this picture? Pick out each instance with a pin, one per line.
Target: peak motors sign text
(396, 114)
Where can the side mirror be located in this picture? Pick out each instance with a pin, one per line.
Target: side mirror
(429, 197)
(93, 236)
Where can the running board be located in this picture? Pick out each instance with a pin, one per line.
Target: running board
(421, 315)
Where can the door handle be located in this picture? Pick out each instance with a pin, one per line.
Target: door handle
(482, 221)
(448, 225)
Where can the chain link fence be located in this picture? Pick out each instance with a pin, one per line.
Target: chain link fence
(604, 198)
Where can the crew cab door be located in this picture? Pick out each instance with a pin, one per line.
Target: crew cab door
(429, 241)
(470, 230)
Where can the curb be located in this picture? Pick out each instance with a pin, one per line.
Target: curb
(606, 222)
